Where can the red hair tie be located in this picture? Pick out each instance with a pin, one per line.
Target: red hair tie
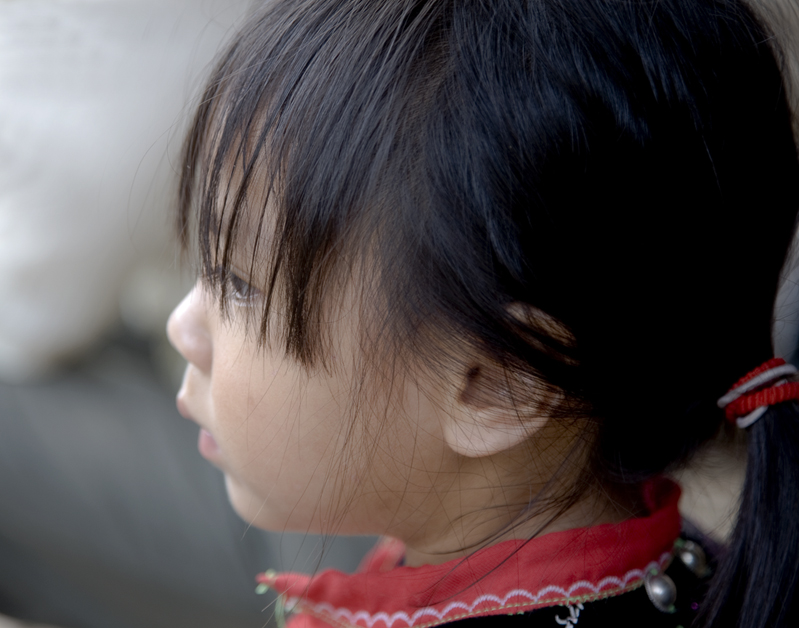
(765, 386)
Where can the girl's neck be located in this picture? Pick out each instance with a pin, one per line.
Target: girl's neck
(491, 525)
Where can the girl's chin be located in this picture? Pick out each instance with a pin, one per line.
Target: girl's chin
(254, 508)
(249, 506)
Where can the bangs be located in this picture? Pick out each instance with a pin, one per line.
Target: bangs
(335, 139)
(300, 131)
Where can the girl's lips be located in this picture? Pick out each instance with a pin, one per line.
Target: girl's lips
(207, 446)
(205, 443)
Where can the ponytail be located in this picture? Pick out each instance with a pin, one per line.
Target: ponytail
(756, 579)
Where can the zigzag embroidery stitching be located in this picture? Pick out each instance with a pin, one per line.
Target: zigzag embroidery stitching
(345, 617)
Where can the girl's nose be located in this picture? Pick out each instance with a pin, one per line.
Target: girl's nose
(187, 330)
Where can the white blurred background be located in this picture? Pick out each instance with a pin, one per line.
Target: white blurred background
(93, 103)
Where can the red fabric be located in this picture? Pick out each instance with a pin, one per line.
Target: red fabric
(514, 576)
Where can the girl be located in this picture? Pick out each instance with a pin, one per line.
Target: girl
(473, 276)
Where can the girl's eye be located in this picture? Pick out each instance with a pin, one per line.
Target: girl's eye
(241, 291)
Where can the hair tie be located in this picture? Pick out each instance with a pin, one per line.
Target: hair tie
(752, 395)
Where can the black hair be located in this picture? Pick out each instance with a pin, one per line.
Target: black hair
(625, 169)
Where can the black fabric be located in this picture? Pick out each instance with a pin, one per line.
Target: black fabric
(630, 610)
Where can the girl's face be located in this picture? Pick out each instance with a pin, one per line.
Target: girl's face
(292, 456)
(298, 456)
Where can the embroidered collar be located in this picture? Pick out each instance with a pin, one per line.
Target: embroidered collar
(560, 568)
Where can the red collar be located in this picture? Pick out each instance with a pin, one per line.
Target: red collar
(560, 568)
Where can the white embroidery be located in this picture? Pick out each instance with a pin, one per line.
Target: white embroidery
(574, 615)
(523, 597)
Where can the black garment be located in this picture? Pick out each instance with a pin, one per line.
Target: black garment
(629, 610)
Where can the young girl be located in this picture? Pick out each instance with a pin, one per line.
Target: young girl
(474, 275)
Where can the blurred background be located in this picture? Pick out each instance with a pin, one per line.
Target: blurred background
(108, 515)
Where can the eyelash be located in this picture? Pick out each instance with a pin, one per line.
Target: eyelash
(239, 290)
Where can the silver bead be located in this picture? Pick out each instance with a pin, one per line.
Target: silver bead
(693, 557)
(661, 591)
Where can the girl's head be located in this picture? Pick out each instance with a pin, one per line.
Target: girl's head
(518, 247)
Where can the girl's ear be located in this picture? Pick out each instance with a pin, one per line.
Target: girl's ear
(491, 412)
(495, 408)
